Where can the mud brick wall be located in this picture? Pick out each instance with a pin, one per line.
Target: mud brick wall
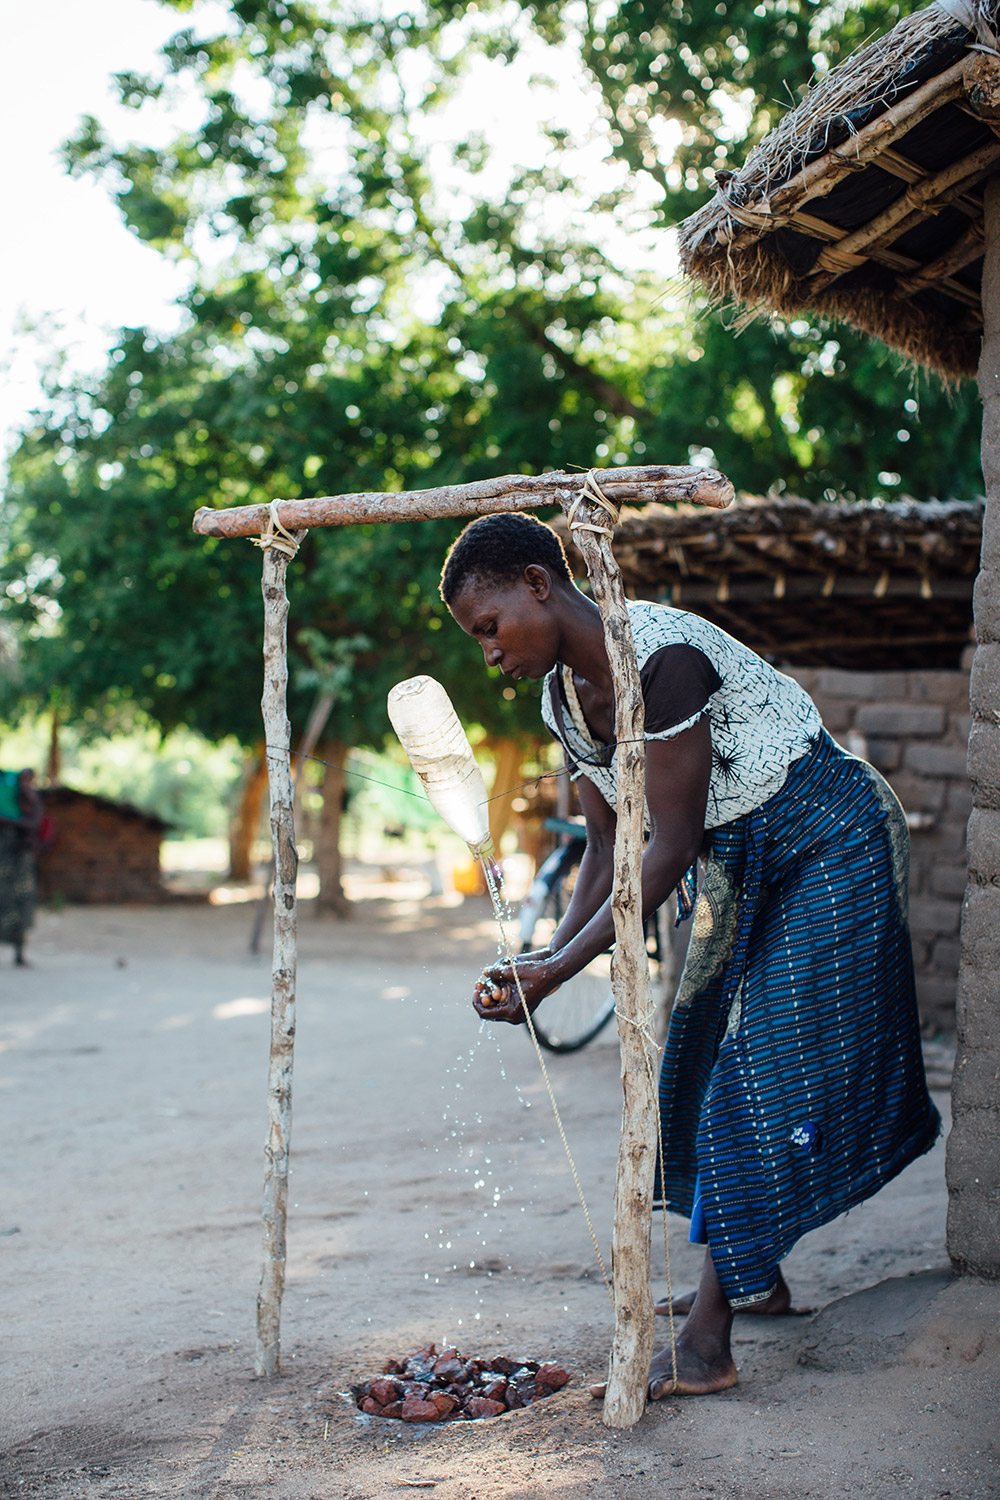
(914, 727)
(101, 852)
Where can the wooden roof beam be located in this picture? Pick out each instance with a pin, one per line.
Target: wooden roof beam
(920, 201)
(982, 88)
(907, 171)
(966, 249)
(822, 174)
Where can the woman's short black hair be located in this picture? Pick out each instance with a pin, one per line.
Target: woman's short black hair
(497, 549)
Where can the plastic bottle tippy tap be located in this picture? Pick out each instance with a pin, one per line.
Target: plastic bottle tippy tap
(429, 731)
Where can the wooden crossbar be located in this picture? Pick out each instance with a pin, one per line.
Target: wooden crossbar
(664, 483)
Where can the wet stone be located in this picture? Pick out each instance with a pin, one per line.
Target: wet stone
(415, 1409)
(554, 1376)
(428, 1386)
(480, 1406)
(384, 1391)
(448, 1365)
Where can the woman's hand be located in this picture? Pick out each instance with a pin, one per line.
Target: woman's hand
(496, 996)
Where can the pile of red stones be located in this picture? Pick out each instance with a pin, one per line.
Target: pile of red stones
(432, 1387)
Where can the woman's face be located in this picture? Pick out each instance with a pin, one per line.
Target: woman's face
(513, 622)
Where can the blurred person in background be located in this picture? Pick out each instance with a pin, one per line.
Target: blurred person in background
(20, 830)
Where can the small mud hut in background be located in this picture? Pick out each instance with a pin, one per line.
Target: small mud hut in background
(877, 202)
(102, 852)
(869, 606)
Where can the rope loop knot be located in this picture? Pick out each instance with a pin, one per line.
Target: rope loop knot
(276, 536)
(592, 494)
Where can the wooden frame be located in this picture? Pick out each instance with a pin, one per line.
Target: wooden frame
(280, 526)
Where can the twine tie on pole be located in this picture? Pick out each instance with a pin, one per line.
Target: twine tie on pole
(276, 536)
(592, 494)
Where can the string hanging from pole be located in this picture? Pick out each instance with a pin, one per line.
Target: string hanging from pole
(593, 494)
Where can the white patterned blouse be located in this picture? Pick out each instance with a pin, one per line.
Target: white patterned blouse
(761, 720)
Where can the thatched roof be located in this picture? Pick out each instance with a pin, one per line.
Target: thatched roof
(866, 202)
(866, 586)
(62, 797)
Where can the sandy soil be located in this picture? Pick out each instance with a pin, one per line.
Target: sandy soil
(430, 1200)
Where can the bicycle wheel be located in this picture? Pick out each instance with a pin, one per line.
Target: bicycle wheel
(574, 1014)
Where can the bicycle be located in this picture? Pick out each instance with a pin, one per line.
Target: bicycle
(579, 1010)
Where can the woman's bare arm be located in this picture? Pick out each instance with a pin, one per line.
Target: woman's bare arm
(677, 778)
(596, 873)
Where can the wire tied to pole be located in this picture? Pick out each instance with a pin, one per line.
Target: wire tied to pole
(277, 536)
(592, 494)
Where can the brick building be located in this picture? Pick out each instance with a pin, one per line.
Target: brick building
(101, 851)
(914, 728)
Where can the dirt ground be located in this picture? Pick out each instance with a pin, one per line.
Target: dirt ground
(430, 1201)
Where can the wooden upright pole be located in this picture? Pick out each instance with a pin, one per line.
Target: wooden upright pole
(277, 749)
(632, 1349)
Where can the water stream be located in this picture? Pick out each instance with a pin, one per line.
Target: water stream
(504, 916)
(502, 909)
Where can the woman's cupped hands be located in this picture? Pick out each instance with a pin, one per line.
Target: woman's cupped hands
(504, 989)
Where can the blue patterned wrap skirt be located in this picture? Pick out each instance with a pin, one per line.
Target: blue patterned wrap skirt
(792, 1084)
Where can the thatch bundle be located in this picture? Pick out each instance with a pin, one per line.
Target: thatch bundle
(865, 203)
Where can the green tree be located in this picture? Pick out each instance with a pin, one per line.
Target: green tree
(302, 368)
(357, 323)
(687, 90)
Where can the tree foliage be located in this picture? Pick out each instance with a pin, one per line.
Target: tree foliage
(370, 310)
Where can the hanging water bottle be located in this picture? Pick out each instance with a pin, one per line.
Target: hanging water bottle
(429, 731)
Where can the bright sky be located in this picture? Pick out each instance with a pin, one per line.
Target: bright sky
(65, 257)
(70, 273)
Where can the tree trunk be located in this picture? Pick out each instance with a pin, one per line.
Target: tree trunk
(331, 900)
(54, 765)
(508, 755)
(974, 1145)
(245, 825)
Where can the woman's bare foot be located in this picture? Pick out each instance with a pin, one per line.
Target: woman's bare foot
(779, 1302)
(699, 1373)
(703, 1357)
(681, 1305)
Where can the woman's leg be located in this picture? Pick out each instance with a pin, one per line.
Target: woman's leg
(780, 1301)
(704, 1358)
